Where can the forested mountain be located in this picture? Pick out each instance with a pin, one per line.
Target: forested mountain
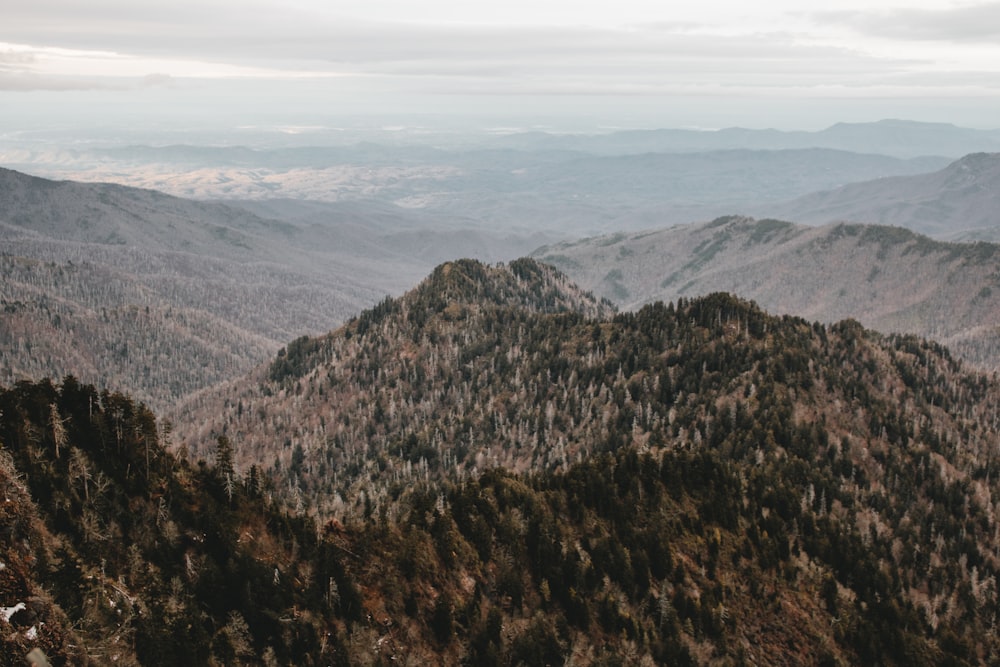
(524, 478)
(160, 296)
(960, 201)
(888, 278)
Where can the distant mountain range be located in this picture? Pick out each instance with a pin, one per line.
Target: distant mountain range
(506, 190)
(899, 138)
(961, 201)
(888, 278)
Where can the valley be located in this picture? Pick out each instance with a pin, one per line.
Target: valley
(503, 401)
(515, 183)
(162, 296)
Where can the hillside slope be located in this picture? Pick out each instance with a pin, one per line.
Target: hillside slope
(962, 200)
(160, 296)
(889, 279)
(690, 484)
(124, 554)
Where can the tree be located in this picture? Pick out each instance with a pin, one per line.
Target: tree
(59, 436)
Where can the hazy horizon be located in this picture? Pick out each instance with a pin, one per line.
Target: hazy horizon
(557, 66)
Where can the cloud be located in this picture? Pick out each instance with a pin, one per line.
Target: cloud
(33, 83)
(253, 54)
(413, 58)
(974, 23)
(483, 53)
(15, 61)
(157, 79)
(307, 35)
(366, 58)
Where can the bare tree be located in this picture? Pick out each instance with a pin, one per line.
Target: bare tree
(58, 424)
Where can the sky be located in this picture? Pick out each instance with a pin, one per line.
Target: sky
(545, 63)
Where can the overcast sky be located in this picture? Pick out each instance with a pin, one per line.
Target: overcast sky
(710, 63)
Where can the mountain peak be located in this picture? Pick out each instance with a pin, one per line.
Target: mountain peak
(976, 174)
(524, 283)
(978, 161)
(453, 292)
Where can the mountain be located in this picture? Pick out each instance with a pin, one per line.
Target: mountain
(898, 138)
(108, 214)
(155, 294)
(495, 469)
(461, 294)
(888, 278)
(960, 201)
(498, 190)
(691, 483)
(161, 296)
(908, 138)
(584, 194)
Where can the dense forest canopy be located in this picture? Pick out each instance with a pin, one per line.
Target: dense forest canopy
(745, 468)
(496, 469)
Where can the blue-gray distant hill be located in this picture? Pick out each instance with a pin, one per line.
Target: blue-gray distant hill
(961, 201)
(564, 191)
(898, 138)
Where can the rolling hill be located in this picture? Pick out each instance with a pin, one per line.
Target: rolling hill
(890, 279)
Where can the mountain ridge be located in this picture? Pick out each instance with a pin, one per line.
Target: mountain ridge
(899, 138)
(790, 454)
(523, 190)
(889, 278)
(956, 202)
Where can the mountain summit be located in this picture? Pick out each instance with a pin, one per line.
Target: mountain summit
(524, 283)
(466, 291)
